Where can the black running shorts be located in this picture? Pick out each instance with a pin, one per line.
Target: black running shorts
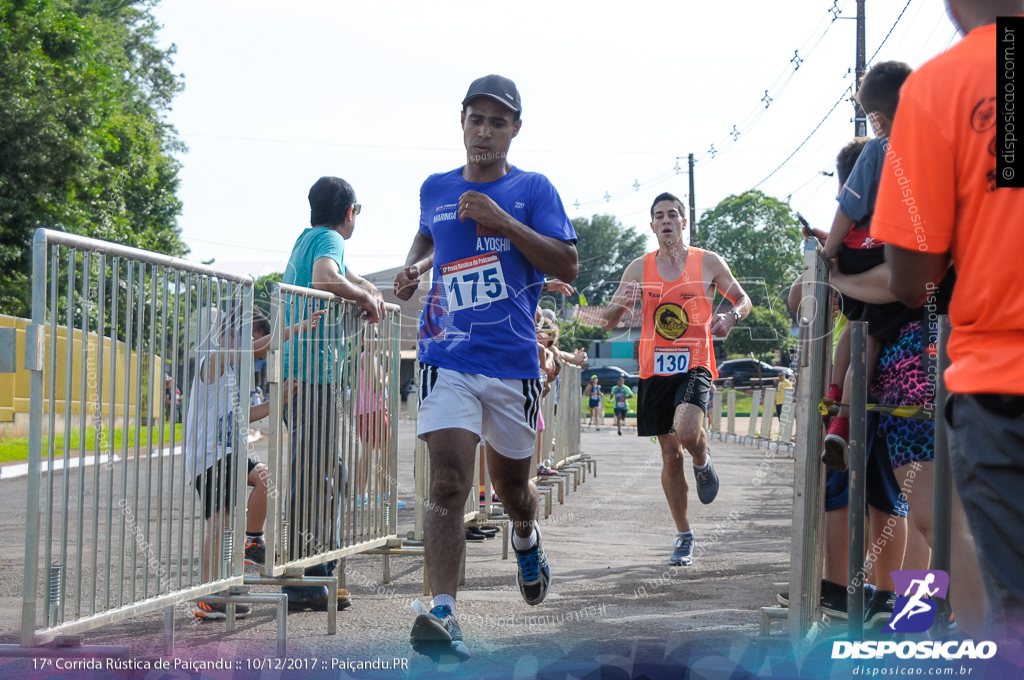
(217, 483)
(660, 395)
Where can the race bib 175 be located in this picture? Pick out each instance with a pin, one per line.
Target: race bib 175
(474, 282)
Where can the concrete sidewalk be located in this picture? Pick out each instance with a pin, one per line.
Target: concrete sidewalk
(613, 595)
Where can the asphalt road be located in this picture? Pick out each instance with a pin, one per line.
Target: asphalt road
(614, 601)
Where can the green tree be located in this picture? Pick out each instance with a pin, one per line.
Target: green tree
(261, 288)
(572, 335)
(759, 237)
(605, 247)
(764, 331)
(83, 144)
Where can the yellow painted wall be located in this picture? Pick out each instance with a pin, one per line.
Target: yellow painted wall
(15, 390)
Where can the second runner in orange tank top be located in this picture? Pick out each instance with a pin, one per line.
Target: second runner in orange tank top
(676, 318)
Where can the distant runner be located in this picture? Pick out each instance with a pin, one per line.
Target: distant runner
(676, 285)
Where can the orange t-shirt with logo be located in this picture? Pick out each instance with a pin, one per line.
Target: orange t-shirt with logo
(676, 318)
(938, 194)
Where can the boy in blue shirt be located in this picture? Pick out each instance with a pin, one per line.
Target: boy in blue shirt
(850, 244)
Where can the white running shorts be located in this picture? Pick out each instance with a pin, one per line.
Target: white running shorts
(501, 412)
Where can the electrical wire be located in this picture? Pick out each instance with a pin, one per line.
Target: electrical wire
(890, 31)
(839, 101)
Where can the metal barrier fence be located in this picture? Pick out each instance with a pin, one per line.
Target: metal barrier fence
(567, 421)
(333, 478)
(756, 434)
(814, 318)
(113, 529)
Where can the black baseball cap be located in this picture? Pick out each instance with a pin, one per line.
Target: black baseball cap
(496, 87)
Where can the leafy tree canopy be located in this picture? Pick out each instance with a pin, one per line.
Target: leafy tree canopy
(764, 331)
(759, 237)
(262, 288)
(83, 144)
(574, 335)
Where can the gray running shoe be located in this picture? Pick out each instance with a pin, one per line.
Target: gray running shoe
(683, 554)
(438, 632)
(707, 482)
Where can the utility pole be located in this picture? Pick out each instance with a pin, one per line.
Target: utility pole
(693, 206)
(860, 122)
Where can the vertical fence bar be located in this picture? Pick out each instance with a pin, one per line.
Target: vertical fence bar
(242, 299)
(755, 406)
(82, 399)
(786, 419)
(34, 363)
(97, 420)
(123, 496)
(275, 434)
(161, 389)
(858, 471)
(392, 426)
(731, 414)
(51, 430)
(149, 360)
(768, 413)
(943, 500)
(69, 347)
(115, 286)
(814, 319)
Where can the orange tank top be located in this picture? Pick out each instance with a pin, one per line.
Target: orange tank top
(677, 316)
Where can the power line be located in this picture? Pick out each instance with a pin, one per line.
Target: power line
(725, 142)
(890, 31)
(839, 101)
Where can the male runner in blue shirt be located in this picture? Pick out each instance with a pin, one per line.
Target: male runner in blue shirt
(490, 232)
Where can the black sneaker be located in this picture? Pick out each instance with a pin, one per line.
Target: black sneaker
(320, 604)
(255, 550)
(218, 611)
(833, 598)
(534, 576)
(438, 632)
(474, 536)
(879, 610)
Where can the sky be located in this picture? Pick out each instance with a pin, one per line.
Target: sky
(614, 96)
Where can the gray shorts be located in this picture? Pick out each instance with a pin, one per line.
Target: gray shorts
(987, 456)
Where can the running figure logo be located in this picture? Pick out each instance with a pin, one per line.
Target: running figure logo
(913, 613)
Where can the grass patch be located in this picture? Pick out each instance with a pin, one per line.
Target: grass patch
(743, 402)
(16, 448)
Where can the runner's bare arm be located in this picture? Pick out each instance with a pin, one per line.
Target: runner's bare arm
(728, 286)
(417, 262)
(357, 280)
(549, 255)
(626, 295)
(911, 274)
(261, 346)
(327, 276)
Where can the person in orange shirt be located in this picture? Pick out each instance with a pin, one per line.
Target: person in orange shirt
(939, 202)
(676, 285)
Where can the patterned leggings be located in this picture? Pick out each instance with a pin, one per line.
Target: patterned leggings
(901, 380)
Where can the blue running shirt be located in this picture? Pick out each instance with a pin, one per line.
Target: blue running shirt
(478, 316)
